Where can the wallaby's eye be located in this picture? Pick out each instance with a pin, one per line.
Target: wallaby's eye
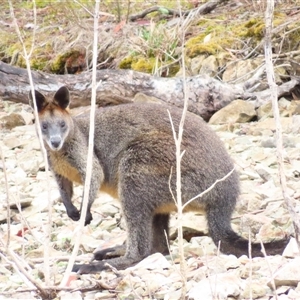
(44, 126)
(62, 124)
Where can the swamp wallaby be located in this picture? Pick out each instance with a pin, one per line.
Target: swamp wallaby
(134, 152)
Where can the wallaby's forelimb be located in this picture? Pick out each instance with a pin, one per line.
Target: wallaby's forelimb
(66, 192)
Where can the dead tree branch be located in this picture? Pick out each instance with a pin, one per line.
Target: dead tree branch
(202, 10)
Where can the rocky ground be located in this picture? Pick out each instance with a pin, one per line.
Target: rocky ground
(261, 213)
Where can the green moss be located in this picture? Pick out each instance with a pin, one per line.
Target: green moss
(16, 47)
(38, 64)
(126, 63)
(173, 70)
(215, 44)
(66, 60)
(194, 48)
(215, 38)
(143, 64)
(218, 35)
(38, 4)
(147, 65)
(14, 54)
(58, 64)
(293, 37)
(39, 58)
(255, 27)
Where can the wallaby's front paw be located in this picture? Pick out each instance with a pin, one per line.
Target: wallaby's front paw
(73, 214)
(89, 268)
(88, 218)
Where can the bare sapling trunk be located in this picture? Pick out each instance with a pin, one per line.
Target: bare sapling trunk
(289, 201)
(90, 151)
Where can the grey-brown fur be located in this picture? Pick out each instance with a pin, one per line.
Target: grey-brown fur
(134, 152)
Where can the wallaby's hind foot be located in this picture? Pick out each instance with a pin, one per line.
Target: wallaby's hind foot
(120, 263)
(91, 268)
(108, 253)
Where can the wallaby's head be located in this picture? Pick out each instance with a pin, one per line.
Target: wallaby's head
(55, 121)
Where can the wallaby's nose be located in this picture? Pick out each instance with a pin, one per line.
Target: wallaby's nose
(55, 141)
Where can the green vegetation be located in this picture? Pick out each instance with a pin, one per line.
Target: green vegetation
(64, 62)
(155, 49)
(153, 45)
(148, 65)
(217, 36)
(214, 38)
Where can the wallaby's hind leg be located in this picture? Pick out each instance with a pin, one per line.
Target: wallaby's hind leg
(66, 191)
(139, 230)
(160, 233)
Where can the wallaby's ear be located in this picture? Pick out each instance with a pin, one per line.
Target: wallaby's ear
(62, 97)
(40, 100)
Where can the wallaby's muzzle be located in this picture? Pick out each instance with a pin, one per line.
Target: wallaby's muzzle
(55, 143)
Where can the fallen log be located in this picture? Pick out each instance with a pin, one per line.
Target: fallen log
(206, 95)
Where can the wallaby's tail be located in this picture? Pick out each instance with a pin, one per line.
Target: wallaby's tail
(231, 243)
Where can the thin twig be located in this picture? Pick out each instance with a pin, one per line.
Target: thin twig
(263, 250)
(209, 189)
(251, 263)
(12, 263)
(170, 186)
(17, 263)
(7, 199)
(179, 155)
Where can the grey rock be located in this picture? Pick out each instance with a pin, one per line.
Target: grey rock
(291, 249)
(288, 274)
(264, 174)
(241, 70)
(209, 66)
(255, 290)
(196, 64)
(219, 286)
(268, 143)
(238, 111)
(12, 121)
(140, 97)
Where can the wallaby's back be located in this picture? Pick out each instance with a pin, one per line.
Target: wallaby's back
(139, 137)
